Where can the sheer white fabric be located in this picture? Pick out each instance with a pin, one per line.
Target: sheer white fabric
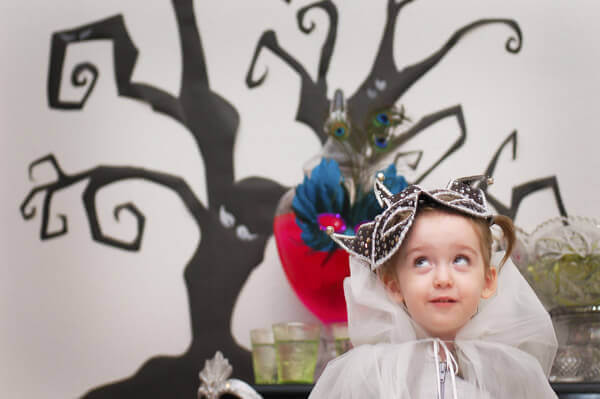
(505, 351)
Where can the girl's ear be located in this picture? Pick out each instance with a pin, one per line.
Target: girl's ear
(491, 282)
(393, 288)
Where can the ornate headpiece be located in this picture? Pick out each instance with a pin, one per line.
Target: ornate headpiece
(378, 240)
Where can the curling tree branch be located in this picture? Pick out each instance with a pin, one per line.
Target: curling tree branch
(425, 122)
(398, 82)
(313, 106)
(99, 177)
(124, 57)
(328, 45)
(384, 85)
(520, 192)
(211, 120)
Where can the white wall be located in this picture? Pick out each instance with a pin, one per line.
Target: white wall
(76, 314)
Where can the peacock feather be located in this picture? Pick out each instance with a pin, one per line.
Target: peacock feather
(323, 200)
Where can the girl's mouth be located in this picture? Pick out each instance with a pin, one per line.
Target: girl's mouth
(442, 300)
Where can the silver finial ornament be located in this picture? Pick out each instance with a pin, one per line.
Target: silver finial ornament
(380, 176)
(337, 111)
(330, 230)
(216, 382)
(490, 181)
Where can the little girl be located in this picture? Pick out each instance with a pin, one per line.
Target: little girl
(432, 310)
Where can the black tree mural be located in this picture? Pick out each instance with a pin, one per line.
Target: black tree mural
(383, 87)
(226, 253)
(214, 276)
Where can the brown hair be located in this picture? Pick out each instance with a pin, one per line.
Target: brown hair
(482, 226)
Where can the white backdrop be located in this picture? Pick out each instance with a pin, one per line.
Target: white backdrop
(77, 314)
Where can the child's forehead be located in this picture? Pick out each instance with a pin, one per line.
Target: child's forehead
(429, 212)
(441, 227)
(443, 218)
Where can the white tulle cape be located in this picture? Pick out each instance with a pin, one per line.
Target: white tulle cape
(505, 351)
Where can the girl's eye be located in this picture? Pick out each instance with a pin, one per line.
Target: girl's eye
(461, 260)
(421, 262)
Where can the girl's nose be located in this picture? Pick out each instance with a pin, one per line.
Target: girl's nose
(442, 277)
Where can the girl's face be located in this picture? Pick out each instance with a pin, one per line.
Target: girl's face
(440, 273)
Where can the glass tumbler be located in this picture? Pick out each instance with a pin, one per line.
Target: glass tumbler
(297, 346)
(264, 357)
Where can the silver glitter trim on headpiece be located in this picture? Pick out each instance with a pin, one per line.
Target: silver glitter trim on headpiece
(378, 240)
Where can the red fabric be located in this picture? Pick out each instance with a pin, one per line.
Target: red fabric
(318, 283)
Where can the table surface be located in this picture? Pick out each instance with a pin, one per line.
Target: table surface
(564, 390)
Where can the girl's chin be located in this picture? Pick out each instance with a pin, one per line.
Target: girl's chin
(442, 333)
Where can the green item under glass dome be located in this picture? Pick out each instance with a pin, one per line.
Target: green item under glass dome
(561, 261)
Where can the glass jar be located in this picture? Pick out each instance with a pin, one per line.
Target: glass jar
(578, 333)
(561, 261)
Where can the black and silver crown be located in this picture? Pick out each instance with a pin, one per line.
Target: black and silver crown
(378, 240)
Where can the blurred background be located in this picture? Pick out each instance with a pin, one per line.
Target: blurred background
(78, 313)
